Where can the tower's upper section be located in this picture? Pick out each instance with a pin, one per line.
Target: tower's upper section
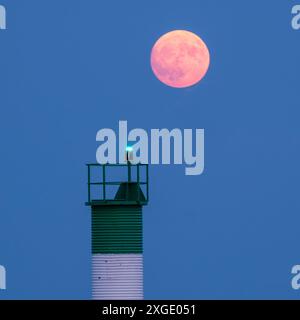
(118, 184)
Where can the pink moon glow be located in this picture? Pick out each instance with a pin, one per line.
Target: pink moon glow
(180, 59)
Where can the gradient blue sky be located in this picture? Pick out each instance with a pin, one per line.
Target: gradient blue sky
(69, 68)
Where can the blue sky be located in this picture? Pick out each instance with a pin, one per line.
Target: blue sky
(69, 68)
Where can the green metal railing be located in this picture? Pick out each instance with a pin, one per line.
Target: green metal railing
(104, 182)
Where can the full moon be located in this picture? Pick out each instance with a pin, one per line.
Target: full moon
(180, 59)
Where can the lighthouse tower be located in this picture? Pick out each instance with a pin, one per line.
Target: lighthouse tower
(117, 229)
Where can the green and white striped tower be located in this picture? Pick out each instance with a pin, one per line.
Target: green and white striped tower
(117, 232)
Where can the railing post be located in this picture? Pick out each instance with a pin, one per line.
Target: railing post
(147, 177)
(138, 179)
(89, 184)
(129, 171)
(104, 183)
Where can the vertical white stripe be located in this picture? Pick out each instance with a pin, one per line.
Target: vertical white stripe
(117, 277)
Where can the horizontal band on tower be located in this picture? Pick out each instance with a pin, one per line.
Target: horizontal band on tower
(117, 229)
(117, 276)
